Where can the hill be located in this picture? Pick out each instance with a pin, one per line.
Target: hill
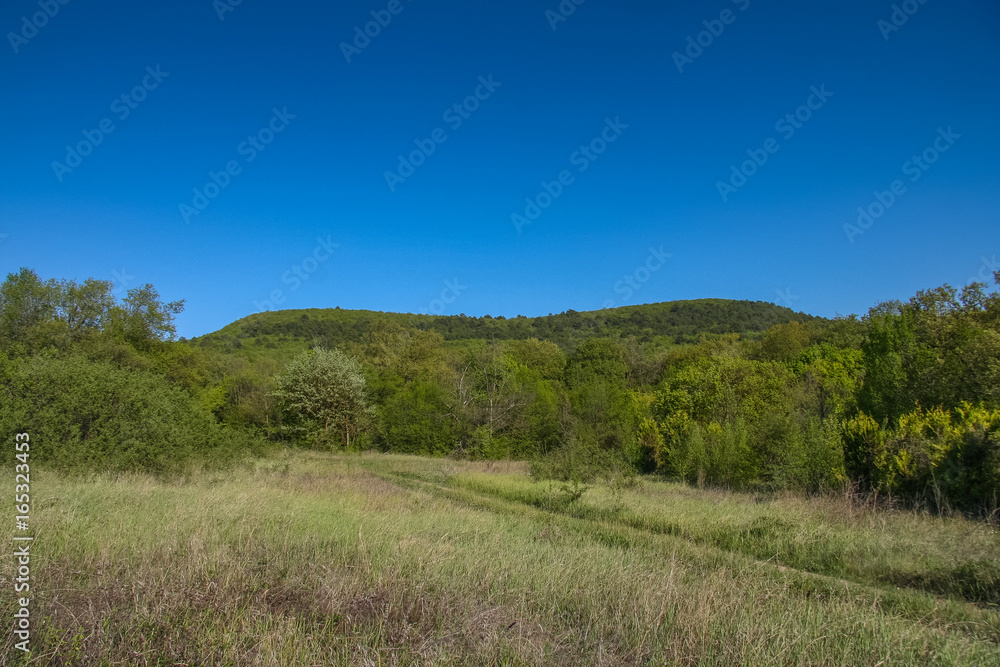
(681, 321)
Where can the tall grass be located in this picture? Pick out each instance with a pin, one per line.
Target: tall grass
(827, 535)
(377, 560)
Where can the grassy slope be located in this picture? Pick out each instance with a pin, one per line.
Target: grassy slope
(382, 560)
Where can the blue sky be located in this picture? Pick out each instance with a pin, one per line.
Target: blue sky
(589, 162)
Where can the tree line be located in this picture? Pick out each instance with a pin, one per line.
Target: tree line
(904, 400)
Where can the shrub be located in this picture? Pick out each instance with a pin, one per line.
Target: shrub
(577, 461)
(951, 458)
(324, 393)
(93, 416)
(413, 420)
(947, 458)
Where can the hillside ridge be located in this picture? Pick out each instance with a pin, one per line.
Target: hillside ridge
(683, 321)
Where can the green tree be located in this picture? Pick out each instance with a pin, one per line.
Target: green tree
(547, 404)
(542, 356)
(597, 358)
(939, 349)
(830, 378)
(26, 305)
(84, 309)
(404, 352)
(37, 314)
(785, 342)
(325, 390)
(487, 401)
(142, 318)
(87, 416)
(414, 420)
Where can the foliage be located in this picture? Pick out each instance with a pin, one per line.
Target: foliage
(785, 342)
(414, 420)
(939, 349)
(324, 390)
(285, 333)
(948, 458)
(714, 392)
(830, 379)
(89, 416)
(142, 317)
(542, 356)
(576, 463)
(58, 314)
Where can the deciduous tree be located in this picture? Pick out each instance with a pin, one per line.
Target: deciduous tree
(325, 389)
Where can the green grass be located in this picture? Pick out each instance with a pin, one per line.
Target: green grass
(832, 536)
(391, 560)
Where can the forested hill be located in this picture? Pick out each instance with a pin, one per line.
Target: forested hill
(681, 321)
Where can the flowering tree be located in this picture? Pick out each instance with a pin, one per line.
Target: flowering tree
(327, 389)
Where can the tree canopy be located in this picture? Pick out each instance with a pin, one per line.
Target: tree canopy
(325, 389)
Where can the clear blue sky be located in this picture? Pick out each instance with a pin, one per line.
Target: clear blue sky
(401, 243)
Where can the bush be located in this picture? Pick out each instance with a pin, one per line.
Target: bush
(86, 416)
(324, 395)
(575, 462)
(822, 463)
(951, 458)
(717, 454)
(414, 420)
(944, 458)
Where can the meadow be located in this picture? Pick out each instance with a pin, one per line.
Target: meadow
(308, 558)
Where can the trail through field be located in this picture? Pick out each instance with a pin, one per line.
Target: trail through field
(621, 530)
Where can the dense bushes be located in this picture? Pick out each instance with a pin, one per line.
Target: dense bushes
(414, 420)
(84, 415)
(904, 402)
(944, 458)
(98, 386)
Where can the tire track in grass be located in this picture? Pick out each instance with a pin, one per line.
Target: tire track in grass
(741, 539)
(925, 608)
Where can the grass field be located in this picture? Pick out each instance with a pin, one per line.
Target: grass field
(316, 559)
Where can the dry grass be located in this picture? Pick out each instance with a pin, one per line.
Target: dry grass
(320, 560)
